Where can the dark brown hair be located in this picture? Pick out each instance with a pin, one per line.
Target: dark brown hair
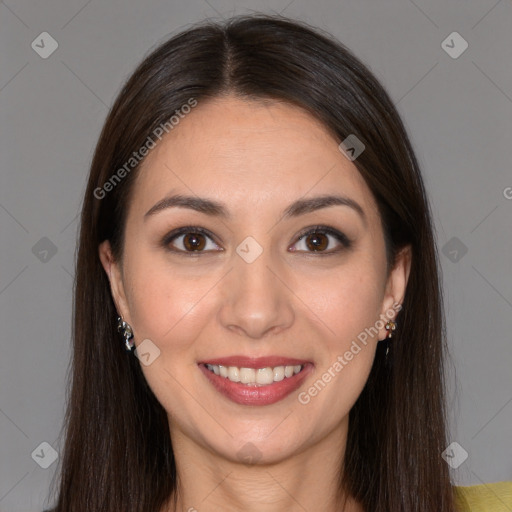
(118, 455)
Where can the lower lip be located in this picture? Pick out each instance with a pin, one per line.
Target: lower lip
(245, 394)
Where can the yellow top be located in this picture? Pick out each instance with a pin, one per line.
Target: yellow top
(496, 497)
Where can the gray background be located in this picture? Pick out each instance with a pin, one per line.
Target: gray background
(458, 112)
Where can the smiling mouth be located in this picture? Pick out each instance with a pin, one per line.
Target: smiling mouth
(256, 381)
(255, 376)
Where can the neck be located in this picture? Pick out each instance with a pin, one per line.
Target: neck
(309, 480)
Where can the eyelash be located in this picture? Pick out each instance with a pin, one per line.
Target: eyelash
(340, 237)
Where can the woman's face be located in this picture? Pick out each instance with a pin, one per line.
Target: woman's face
(243, 285)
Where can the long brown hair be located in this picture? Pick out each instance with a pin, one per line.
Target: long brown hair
(118, 455)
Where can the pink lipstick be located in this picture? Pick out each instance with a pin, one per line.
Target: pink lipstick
(256, 381)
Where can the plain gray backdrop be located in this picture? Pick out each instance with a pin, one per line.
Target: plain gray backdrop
(456, 103)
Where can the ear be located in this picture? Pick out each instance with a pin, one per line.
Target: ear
(115, 276)
(395, 287)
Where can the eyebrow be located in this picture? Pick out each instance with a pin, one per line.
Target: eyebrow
(216, 209)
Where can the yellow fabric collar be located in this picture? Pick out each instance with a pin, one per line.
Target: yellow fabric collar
(495, 497)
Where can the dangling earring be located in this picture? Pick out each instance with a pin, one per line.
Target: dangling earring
(127, 333)
(390, 327)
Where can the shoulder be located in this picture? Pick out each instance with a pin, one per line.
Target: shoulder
(495, 497)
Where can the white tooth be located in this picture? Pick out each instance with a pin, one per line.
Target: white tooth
(264, 376)
(260, 376)
(247, 375)
(278, 373)
(209, 366)
(288, 371)
(234, 374)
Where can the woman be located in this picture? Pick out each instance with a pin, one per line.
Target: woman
(258, 317)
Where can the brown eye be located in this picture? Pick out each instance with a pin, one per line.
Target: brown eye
(317, 241)
(189, 240)
(194, 241)
(322, 240)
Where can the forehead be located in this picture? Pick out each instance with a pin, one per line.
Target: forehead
(249, 154)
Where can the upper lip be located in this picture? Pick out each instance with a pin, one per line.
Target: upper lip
(255, 362)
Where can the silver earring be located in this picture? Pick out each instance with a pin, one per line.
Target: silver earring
(126, 332)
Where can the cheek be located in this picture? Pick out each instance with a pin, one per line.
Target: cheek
(349, 306)
(164, 304)
(347, 301)
(171, 309)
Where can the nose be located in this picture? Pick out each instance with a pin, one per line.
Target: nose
(256, 298)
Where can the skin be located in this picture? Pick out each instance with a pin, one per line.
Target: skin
(256, 158)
